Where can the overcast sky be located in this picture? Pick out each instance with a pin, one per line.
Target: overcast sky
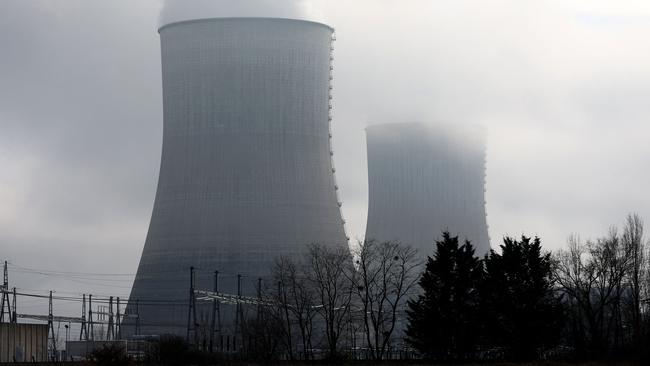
(563, 88)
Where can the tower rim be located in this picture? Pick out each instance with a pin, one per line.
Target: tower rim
(219, 19)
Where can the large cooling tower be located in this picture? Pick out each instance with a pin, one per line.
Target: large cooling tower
(246, 174)
(424, 179)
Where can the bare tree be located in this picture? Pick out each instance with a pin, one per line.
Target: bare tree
(636, 277)
(387, 273)
(281, 297)
(592, 275)
(303, 306)
(296, 300)
(328, 271)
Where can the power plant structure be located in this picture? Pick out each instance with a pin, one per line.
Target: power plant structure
(246, 172)
(424, 179)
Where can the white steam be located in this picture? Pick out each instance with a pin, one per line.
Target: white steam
(179, 10)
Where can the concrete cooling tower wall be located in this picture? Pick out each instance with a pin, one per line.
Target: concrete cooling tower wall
(246, 174)
(424, 179)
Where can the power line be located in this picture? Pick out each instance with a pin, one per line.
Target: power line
(54, 272)
(102, 300)
(92, 276)
(72, 277)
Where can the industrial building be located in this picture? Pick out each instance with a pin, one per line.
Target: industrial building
(246, 173)
(424, 179)
(23, 342)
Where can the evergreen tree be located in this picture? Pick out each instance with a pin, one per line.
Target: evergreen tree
(443, 320)
(522, 310)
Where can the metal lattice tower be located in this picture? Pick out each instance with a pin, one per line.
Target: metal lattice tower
(5, 295)
(137, 317)
(191, 311)
(14, 318)
(83, 333)
(215, 327)
(118, 321)
(91, 327)
(51, 337)
(239, 315)
(110, 330)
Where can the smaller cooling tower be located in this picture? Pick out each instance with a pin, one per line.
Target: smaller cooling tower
(425, 179)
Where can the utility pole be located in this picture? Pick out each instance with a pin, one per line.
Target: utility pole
(5, 296)
(83, 333)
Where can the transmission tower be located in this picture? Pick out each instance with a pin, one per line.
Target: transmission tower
(51, 337)
(137, 317)
(191, 311)
(110, 331)
(118, 322)
(83, 333)
(239, 317)
(90, 318)
(215, 327)
(259, 299)
(14, 318)
(5, 296)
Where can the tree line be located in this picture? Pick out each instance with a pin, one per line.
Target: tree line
(587, 301)
(518, 302)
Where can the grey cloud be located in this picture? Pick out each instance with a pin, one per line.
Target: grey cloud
(80, 115)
